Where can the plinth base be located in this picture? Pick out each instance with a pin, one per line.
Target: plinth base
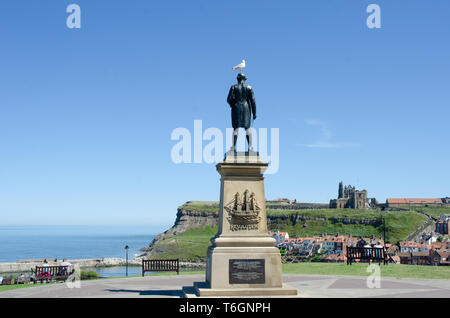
(202, 289)
(243, 260)
(239, 266)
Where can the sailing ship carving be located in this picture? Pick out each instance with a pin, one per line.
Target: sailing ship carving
(243, 212)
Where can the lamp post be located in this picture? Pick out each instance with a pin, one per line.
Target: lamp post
(383, 214)
(126, 263)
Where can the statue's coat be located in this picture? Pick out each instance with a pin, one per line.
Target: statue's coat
(242, 103)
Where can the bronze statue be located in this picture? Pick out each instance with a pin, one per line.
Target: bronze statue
(242, 102)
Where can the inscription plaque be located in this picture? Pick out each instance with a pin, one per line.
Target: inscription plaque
(247, 271)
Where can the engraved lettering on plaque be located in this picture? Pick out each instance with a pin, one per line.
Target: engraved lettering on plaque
(247, 271)
(243, 212)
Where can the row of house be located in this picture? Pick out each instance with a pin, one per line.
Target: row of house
(411, 202)
(332, 246)
(414, 253)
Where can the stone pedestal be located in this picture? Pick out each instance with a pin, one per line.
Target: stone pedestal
(243, 259)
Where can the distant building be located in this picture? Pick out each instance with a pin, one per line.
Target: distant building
(280, 236)
(335, 258)
(282, 200)
(409, 202)
(440, 257)
(350, 198)
(441, 245)
(415, 258)
(393, 259)
(442, 226)
(413, 247)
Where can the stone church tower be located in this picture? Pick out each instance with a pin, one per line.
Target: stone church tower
(350, 198)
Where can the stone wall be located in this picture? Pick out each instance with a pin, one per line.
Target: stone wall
(22, 267)
(426, 228)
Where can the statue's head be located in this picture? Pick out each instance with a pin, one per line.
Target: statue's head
(241, 77)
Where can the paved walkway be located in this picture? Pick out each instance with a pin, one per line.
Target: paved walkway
(308, 286)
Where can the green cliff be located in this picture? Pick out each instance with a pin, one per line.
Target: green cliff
(196, 223)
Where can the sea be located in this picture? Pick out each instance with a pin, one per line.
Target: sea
(76, 242)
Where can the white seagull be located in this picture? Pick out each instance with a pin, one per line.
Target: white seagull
(240, 67)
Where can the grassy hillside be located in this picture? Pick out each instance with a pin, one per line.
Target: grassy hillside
(329, 213)
(399, 224)
(192, 244)
(208, 206)
(435, 212)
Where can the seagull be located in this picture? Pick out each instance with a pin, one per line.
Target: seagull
(240, 67)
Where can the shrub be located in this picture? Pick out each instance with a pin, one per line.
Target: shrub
(316, 258)
(89, 275)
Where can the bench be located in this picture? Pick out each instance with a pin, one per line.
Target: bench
(49, 273)
(369, 254)
(160, 265)
(6, 281)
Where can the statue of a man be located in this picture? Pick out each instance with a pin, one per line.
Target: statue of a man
(243, 106)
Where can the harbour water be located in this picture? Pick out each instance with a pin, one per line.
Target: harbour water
(75, 242)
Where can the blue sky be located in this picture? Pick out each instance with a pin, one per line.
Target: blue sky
(86, 114)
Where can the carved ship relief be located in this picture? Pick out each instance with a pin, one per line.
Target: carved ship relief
(243, 212)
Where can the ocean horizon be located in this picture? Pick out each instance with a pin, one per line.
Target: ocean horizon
(73, 242)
